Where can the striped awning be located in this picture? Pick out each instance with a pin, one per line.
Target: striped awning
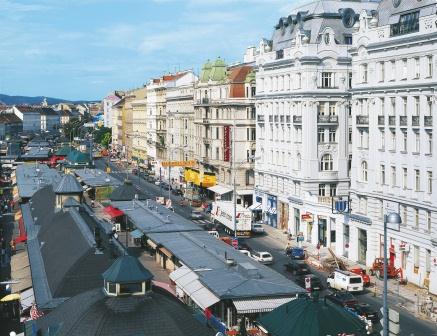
(262, 305)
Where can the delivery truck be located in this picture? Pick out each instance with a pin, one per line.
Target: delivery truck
(222, 213)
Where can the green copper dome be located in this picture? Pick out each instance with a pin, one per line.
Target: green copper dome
(206, 71)
(218, 71)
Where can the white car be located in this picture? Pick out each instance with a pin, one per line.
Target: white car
(246, 252)
(344, 280)
(257, 228)
(262, 257)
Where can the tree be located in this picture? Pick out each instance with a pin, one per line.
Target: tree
(106, 139)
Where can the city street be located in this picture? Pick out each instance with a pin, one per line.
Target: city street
(410, 325)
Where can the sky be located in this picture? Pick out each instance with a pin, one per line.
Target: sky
(83, 49)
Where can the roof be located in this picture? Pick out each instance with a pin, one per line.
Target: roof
(238, 74)
(71, 202)
(93, 313)
(246, 279)
(37, 109)
(148, 220)
(215, 71)
(77, 157)
(127, 269)
(68, 185)
(64, 150)
(127, 192)
(30, 178)
(311, 317)
(9, 118)
(96, 178)
(388, 13)
(36, 153)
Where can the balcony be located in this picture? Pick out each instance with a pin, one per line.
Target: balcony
(427, 121)
(391, 120)
(415, 121)
(327, 119)
(381, 120)
(403, 121)
(324, 200)
(297, 120)
(260, 118)
(362, 120)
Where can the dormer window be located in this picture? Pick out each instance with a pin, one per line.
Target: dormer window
(408, 23)
(327, 38)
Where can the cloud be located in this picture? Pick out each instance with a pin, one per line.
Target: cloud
(15, 6)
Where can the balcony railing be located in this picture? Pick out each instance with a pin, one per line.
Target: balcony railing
(415, 121)
(403, 120)
(362, 120)
(427, 121)
(260, 118)
(297, 119)
(381, 120)
(324, 200)
(327, 119)
(392, 120)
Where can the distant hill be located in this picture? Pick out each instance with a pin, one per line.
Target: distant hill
(17, 100)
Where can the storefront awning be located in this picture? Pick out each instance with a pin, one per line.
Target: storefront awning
(136, 234)
(248, 306)
(221, 190)
(20, 272)
(256, 207)
(113, 212)
(189, 282)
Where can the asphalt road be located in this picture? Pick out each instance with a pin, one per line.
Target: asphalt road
(410, 325)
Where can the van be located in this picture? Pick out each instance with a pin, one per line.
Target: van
(214, 233)
(344, 280)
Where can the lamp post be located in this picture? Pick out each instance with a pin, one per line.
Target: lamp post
(394, 220)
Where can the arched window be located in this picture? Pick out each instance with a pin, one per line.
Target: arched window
(364, 171)
(326, 163)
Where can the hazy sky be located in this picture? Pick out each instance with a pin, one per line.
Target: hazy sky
(82, 49)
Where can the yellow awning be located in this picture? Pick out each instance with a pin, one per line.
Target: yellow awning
(11, 297)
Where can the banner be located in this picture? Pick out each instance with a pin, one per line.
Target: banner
(195, 176)
(190, 163)
(187, 175)
(227, 143)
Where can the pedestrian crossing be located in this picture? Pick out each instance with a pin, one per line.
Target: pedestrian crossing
(201, 221)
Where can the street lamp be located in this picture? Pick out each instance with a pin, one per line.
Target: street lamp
(394, 220)
(251, 158)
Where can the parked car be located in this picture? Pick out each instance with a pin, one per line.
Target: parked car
(157, 182)
(195, 214)
(262, 257)
(297, 253)
(344, 280)
(297, 267)
(214, 233)
(316, 283)
(242, 244)
(342, 298)
(246, 252)
(364, 310)
(257, 228)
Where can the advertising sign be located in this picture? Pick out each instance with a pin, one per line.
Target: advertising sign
(190, 163)
(227, 143)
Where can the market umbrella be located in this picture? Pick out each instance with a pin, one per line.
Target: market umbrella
(11, 297)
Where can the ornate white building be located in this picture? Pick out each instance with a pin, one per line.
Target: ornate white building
(303, 118)
(394, 151)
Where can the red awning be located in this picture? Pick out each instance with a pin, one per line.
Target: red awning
(23, 236)
(113, 212)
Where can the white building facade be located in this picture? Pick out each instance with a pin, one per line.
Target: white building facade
(109, 101)
(303, 118)
(394, 150)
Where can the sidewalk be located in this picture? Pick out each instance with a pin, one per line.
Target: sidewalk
(409, 296)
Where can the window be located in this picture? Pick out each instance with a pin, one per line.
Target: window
(404, 178)
(364, 170)
(348, 39)
(429, 189)
(333, 189)
(408, 23)
(404, 68)
(362, 204)
(332, 109)
(130, 288)
(382, 175)
(111, 287)
(350, 80)
(298, 161)
(321, 135)
(332, 133)
(428, 221)
(299, 80)
(404, 106)
(361, 138)
(393, 70)
(350, 135)
(429, 60)
(417, 67)
(416, 217)
(428, 262)
(382, 139)
(429, 143)
(417, 180)
(253, 134)
(405, 141)
(364, 73)
(381, 71)
(417, 106)
(393, 176)
(326, 164)
(404, 214)
(381, 209)
(416, 258)
(393, 140)
(417, 147)
(327, 80)
(322, 189)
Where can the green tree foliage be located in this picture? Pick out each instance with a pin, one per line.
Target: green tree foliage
(106, 139)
